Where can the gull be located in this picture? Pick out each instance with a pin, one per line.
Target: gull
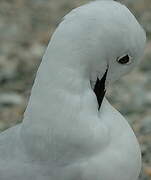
(70, 131)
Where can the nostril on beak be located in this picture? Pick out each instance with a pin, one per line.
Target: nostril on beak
(99, 89)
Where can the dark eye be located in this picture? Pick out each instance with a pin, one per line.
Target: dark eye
(126, 59)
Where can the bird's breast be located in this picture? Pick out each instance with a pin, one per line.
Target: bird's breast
(122, 155)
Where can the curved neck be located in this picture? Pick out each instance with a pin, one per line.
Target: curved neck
(61, 79)
(61, 95)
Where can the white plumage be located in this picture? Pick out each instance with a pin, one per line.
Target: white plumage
(63, 135)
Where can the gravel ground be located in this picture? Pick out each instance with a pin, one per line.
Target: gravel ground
(25, 28)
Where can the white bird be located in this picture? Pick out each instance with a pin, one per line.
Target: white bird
(70, 131)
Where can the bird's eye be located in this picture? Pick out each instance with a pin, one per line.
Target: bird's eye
(126, 59)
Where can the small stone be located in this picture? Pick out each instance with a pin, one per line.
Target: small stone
(147, 170)
(146, 125)
(8, 99)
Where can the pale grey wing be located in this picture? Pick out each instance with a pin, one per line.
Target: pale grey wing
(10, 144)
(14, 164)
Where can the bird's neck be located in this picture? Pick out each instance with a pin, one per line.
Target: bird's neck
(61, 96)
(61, 81)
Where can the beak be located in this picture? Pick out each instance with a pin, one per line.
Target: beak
(100, 90)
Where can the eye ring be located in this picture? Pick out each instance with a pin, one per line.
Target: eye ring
(125, 59)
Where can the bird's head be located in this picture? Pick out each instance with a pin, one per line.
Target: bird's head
(107, 38)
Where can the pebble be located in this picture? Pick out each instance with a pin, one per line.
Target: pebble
(10, 99)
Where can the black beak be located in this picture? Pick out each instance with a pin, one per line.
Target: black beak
(99, 89)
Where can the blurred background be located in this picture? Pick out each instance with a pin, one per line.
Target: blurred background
(25, 29)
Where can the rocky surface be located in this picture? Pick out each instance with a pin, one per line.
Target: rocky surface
(25, 28)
